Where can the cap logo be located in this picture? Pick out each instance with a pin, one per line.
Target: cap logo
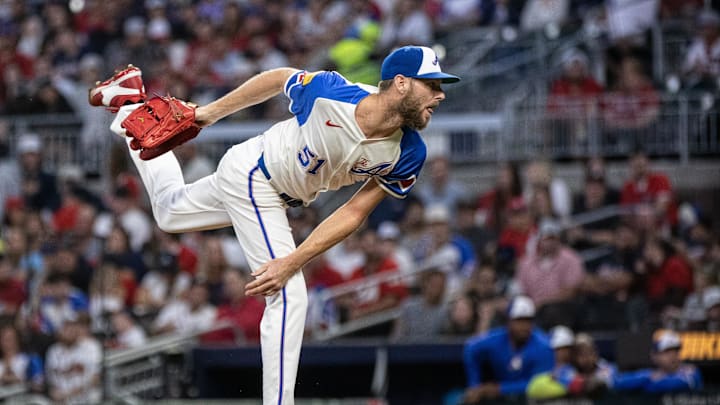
(436, 61)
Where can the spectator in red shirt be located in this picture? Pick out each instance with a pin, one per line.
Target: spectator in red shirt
(319, 274)
(573, 99)
(242, 312)
(648, 188)
(378, 297)
(631, 107)
(668, 277)
(12, 290)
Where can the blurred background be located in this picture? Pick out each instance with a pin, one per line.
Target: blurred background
(575, 166)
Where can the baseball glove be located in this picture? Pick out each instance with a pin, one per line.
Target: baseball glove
(159, 125)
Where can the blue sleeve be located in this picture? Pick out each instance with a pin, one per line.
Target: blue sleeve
(630, 381)
(678, 382)
(303, 88)
(404, 174)
(35, 372)
(473, 358)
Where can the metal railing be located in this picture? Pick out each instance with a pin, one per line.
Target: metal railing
(143, 372)
(335, 329)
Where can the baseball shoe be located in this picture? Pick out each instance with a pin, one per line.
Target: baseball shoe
(125, 87)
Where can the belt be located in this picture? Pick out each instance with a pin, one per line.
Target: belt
(292, 202)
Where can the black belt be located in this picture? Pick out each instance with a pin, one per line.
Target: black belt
(292, 202)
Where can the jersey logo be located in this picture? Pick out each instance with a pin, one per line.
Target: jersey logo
(332, 124)
(360, 167)
(307, 78)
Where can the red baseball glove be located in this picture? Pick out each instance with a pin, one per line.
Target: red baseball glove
(159, 125)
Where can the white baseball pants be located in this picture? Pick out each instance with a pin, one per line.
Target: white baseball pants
(237, 194)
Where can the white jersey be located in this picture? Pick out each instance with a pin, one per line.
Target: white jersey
(323, 148)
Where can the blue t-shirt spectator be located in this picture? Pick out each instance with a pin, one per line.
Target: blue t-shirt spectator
(513, 367)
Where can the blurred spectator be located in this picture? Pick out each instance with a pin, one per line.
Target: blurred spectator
(406, 24)
(59, 302)
(243, 313)
(630, 107)
(539, 176)
(10, 196)
(552, 277)
(513, 354)
(63, 259)
(73, 366)
(596, 372)
(597, 194)
(423, 316)
(712, 311)
(649, 188)
(573, 101)
(669, 374)
(117, 250)
(514, 236)
(376, 297)
(694, 310)
(538, 14)
(563, 379)
(18, 366)
(481, 238)
(486, 290)
(389, 236)
(94, 133)
(609, 286)
(38, 187)
(160, 285)
(131, 217)
(25, 264)
(446, 250)
(133, 47)
(12, 290)
(319, 276)
(108, 295)
(701, 68)
(186, 315)
(39, 97)
(463, 316)
(441, 189)
(412, 227)
(346, 256)
(667, 276)
(211, 267)
(493, 205)
(194, 164)
(127, 333)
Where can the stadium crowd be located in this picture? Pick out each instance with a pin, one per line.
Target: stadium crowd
(83, 270)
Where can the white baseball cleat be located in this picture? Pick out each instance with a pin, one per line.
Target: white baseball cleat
(125, 87)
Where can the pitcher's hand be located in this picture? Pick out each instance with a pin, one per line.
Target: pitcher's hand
(270, 278)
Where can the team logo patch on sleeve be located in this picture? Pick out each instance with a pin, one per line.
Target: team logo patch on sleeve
(307, 78)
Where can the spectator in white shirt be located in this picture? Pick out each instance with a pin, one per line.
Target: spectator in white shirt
(127, 333)
(188, 315)
(701, 67)
(73, 366)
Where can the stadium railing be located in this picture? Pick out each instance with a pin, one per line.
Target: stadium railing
(332, 328)
(686, 127)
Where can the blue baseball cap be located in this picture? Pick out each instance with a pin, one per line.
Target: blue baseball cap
(418, 62)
